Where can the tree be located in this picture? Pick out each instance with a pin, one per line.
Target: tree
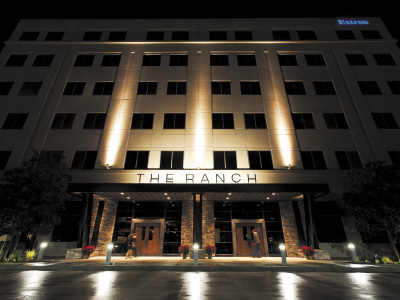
(32, 196)
(374, 199)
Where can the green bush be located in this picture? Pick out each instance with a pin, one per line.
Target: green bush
(30, 255)
(17, 255)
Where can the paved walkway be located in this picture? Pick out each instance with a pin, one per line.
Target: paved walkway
(216, 264)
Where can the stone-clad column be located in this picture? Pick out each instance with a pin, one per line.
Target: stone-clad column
(208, 223)
(187, 223)
(291, 236)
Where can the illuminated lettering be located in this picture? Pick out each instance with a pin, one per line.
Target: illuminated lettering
(189, 179)
(169, 179)
(205, 178)
(238, 180)
(140, 177)
(218, 176)
(254, 178)
(353, 22)
(154, 178)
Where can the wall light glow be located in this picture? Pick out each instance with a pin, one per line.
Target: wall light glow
(284, 139)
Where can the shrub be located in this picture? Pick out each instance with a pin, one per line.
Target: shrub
(17, 255)
(386, 260)
(30, 255)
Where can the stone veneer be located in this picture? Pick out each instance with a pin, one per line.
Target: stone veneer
(208, 223)
(291, 236)
(187, 223)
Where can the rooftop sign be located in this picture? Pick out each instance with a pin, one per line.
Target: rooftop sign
(353, 22)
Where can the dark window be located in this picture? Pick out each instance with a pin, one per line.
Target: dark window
(92, 36)
(243, 35)
(151, 60)
(324, 88)
(178, 60)
(222, 121)
(329, 223)
(218, 35)
(295, 88)
(174, 121)
(117, 36)
(111, 60)
(142, 121)
(147, 88)
(281, 35)
(260, 160)
(155, 36)
(250, 88)
(84, 61)
(103, 88)
(335, 121)
(54, 36)
(52, 155)
(394, 87)
(43, 61)
(84, 160)
(221, 88)
(303, 121)
(314, 60)
(15, 121)
(384, 59)
(306, 35)
(384, 121)
(371, 34)
(29, 36)
(180, 35)
(369, 88)
(348, 160)
(246, 60)
(225, 160)
(171, 160)
(4, 157)
(219, 60)
(30, 88)
(394, 157)
(287, 60)
(176, 88)
(74, 88)
(356, 59)
(16, 60)
(63, 121)
(136, 159)
(313, 160)
(5, 88)
(345, 35)
(94, 121)
(255, 121)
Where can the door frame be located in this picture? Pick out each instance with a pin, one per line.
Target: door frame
(149, 222)
(249, 221)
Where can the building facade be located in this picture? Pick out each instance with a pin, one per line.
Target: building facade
(200, 130)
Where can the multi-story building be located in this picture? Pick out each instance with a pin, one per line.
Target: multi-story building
(200, 130)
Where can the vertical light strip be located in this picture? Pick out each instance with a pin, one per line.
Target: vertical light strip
(116, 137)
(284, 139)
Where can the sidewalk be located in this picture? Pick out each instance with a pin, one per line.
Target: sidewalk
(216, 264)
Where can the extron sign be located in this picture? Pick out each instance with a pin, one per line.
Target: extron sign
(353, 22)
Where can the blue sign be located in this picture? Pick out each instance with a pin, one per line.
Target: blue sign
(353, 22)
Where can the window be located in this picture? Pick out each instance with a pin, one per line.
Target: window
(306, 35)
(384, 121)
(54, 36)
(63, 121)
(303, 121)
(324, 88)
(151, 60)
(4, 157)
(369, 88)
(52, 155)
(371, 34)
(345, 35)
(5, 88)
(94, 121)
(111, 60)
(43, 61)
(287, 60)
(147, 88)
(218, 35)
(225, 160)
(243, 35)
(384, 59)
(142, 121)
(171, 160)
(103, 88)
(335, 121)
(260, 160)
(313, 160)
(221, 88)
(295, 88)
(29, 36)
(117, 36)
(219, 60)
(394, 157)
(176, 88)
(16, 60)
(174, 121)
(314, 60)
(155, 36)
(281, 35)
(356, 60)
(74, 88)
(394, 87)
(92, 36)
(222, 121)
(15, 121)
(178, 60)
(246, 60)
(84, 160)
(136, 160)
(30, 89)
(84, 61)
(250, 88)
(180, 35)
(255, 121)
(348, 160)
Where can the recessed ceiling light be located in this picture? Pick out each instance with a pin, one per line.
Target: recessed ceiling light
(267, 198)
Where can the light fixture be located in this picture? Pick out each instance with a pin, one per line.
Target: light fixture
(273, 194)
(128, 198)
(108, 167)
(267, 198)
(122, 193)
(165, 194)
(227, 198)
(289, 166)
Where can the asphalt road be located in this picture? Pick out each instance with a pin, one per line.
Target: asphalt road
(138, 285)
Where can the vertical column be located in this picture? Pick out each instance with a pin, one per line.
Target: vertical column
(187, 223)
(289, 226)
(311, 232)
(84, 228)
(208, 222)
(197, 220)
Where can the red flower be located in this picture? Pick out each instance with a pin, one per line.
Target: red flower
(184, 249)
(210, 249)
(307, 250)
(88, 250)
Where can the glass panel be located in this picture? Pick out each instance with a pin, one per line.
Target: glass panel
(151, 231)
(244, 233)
(143, 234)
